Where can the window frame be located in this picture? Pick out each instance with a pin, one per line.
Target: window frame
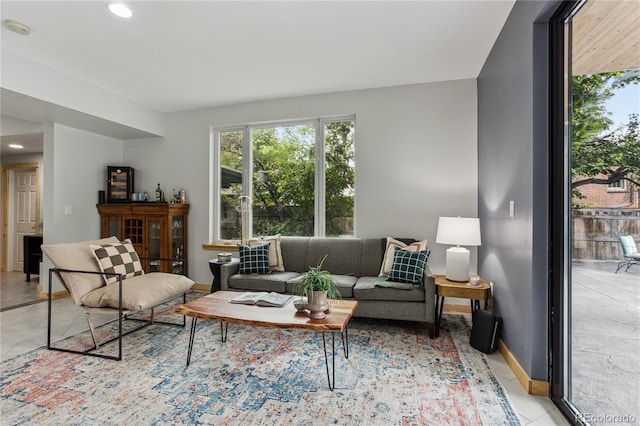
(215, 169)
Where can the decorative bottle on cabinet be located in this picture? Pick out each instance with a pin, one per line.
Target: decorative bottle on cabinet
(158, 193)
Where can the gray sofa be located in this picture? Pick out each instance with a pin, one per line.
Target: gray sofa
(355, 264)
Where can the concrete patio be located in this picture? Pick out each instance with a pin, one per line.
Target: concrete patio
(605, 341)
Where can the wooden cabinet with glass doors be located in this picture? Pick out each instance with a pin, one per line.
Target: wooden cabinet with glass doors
(158, 231)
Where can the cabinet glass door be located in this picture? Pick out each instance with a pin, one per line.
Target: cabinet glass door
(177, 245)
(114, 227)
(154, 230)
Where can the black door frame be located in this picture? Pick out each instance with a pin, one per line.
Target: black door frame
(560, 211)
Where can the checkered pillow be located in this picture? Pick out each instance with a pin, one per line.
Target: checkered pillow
(254, 260)
(119, 258)
(408, 266)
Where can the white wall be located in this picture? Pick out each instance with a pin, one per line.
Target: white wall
(416, 158)
(75, 170)
(14, 126)
(27, 77)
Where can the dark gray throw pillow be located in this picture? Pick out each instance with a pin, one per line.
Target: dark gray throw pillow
(408, 266)
(254, 260)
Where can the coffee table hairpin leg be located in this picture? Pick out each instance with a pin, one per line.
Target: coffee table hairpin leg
(224, 327)
(223, 332)
(192, 334)
(345, 346)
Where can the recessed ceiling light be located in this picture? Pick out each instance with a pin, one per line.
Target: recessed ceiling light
(121, 10)
(17, 27)
(15, 146)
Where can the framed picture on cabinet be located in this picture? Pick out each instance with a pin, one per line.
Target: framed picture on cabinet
(119, 184)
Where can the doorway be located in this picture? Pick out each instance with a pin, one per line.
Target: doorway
(21, 210)
(20, 217)
(594, 186)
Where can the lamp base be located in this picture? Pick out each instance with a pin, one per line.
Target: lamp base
(458, 264)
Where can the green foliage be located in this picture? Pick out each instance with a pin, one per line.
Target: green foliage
(284, 178)
(340, 176)
(616, 154)
(317, 279)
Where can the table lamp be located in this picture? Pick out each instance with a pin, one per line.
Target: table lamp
(461, 231)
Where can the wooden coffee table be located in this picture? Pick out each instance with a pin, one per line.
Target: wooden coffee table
(216, 307)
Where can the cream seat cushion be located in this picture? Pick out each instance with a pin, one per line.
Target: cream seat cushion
(140, 292)
(77, 256)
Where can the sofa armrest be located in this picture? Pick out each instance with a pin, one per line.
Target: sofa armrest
(429, 281)
(227, 270)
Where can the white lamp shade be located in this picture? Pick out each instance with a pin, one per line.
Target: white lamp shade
(461, 231)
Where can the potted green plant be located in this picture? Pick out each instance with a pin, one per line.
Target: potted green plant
(318, 285)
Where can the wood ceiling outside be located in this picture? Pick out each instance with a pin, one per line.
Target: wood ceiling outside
(606, 37)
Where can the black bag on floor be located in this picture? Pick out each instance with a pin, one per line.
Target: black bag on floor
(485, 331)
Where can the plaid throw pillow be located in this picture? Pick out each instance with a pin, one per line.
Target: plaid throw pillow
(408, 266)
(254, 260)
(119, 258)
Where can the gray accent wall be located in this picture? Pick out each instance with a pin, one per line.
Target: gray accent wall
(513, 166)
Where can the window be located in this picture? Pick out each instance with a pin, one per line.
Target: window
(288, 178)
(618, 186)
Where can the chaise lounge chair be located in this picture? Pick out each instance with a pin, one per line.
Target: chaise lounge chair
(630, 253)
(105, 277)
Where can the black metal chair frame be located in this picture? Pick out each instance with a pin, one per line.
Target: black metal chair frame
(122, 315)
(629, 259)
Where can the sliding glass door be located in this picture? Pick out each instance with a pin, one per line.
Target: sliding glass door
(595, 171)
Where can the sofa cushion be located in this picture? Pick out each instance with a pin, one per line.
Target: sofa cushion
(342, 255)
(344, 283)
(275, 250)
(372, 253)
(77, 256)
(140, 292)
(254, 260)
(390, 248)
(275, 281)
(117, 258)
(294, 253)
(367, 288)
(408, 266)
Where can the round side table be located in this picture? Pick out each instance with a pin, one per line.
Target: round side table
(214, 266)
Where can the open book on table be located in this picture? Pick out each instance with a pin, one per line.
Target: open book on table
(263, 299)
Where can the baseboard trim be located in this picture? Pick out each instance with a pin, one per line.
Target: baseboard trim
(201, 287)
(57, 295)
(533, 387)
(456, 307)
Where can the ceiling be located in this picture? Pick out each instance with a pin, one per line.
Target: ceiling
(606, 37)
(181, 55)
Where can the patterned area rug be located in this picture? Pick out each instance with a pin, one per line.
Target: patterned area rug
(394, 374)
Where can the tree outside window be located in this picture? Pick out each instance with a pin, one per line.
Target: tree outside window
(301, 176)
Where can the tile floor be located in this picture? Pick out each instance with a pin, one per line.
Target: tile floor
(16, 291)
(25, 328)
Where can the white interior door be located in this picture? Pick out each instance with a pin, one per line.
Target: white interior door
(25, 213)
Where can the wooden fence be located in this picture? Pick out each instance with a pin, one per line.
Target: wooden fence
(595, 230)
